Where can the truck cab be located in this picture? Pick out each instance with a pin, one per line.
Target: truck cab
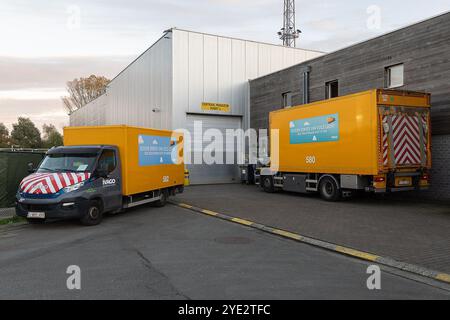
(73, 182)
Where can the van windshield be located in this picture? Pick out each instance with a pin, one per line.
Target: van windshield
(68, 163)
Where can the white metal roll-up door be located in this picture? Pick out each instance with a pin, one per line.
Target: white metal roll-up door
(214, 173)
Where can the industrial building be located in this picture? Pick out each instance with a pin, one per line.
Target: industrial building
(414, 58)
(188, 76)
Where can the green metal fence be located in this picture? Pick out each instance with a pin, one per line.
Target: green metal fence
(13, 168)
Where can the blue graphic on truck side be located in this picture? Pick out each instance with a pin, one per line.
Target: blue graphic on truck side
(156, 150)
(314, 130)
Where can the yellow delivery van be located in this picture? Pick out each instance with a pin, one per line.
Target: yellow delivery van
(103, 169)
(377, 140)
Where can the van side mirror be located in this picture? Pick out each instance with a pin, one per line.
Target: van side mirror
(102, 173)
(31, 168)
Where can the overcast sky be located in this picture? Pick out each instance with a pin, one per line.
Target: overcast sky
(45, 43)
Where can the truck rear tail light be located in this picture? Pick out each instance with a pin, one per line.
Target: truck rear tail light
(425, 176)
(379, 179)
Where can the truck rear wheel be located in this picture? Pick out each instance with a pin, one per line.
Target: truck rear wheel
(267, 184)
(93, 215)
(163, 199)
(329, 190)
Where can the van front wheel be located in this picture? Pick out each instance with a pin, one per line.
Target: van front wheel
(93, 215)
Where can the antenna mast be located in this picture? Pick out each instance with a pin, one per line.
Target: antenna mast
(288, 33)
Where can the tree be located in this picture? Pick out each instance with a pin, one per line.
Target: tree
(82, 91)
(52, 138)
(25, 134)
(4, 136)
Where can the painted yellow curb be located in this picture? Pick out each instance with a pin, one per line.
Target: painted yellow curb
(287, 234)
(242, 221)
(443, 277)
(209, 212)
(356, 253)
(185, 205)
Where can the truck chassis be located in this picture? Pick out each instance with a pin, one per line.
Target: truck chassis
(333, 187)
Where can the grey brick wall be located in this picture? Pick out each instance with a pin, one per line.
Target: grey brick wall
(440, 173)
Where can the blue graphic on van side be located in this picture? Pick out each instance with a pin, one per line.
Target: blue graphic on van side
(314, 130)
(156, 150)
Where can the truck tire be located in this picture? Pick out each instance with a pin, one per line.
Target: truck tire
(163, 200)
(329, 190)
(93, 215)
(267, 184)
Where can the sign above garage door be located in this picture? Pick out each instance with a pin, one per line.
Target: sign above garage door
(209, 106)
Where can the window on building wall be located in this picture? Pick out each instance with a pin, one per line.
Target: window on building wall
(394, 76)
(332, 89)
(287, 99)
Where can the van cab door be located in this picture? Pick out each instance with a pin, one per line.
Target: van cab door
(111, 189)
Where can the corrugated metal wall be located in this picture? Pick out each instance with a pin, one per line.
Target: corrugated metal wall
(145, 85)
(209, 68)
(92, 114)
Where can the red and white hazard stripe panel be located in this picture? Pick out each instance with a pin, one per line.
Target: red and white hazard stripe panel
(385, 143)
(48, 183)
(424, 131)
(406, 132)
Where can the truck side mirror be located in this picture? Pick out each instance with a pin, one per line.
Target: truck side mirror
(31, 168)
(102, 171)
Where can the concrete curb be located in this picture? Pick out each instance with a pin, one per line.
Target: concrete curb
(389, 262)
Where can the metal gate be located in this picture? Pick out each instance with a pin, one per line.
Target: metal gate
(13, 168)
(213, 173)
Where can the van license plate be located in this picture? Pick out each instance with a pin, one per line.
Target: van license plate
(404, 182)
(36, 215)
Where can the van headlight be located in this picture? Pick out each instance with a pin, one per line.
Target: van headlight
(74, 187)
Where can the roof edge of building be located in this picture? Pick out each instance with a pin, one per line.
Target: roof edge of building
(246, 40)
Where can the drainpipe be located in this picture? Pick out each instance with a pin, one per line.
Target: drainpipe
(306, 73)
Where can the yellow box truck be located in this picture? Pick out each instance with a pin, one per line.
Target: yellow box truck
(377, 140)
(103, 169)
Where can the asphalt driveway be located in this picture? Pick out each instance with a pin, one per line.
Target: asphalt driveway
(406, 230)
(173, 253)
